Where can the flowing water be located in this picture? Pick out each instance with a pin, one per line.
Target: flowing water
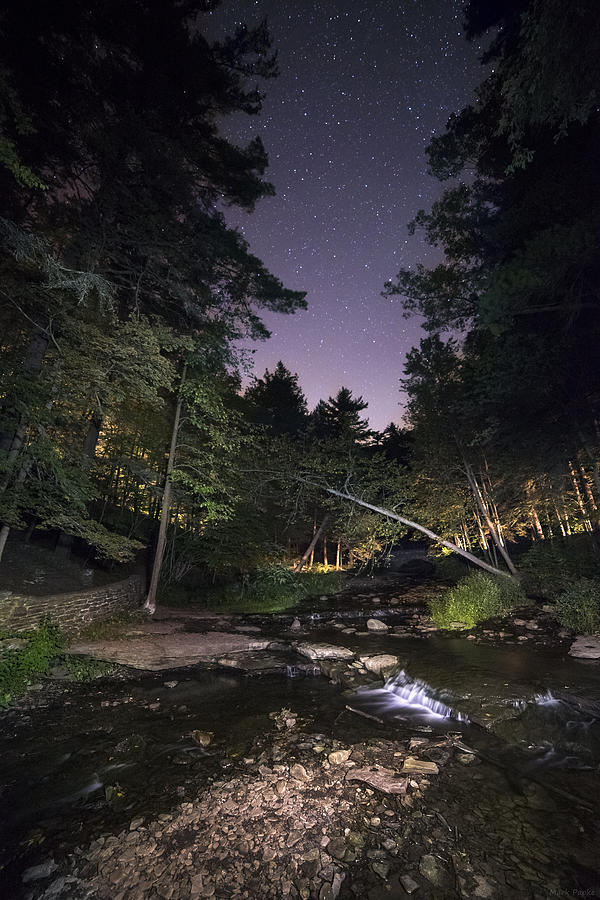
(87, 759)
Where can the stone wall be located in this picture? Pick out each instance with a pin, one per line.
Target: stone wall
(70, 611)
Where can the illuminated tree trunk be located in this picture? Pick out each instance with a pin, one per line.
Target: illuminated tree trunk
(338, 555)
(150, 604)
(311, 546)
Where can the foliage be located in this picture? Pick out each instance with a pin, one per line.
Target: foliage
(84, 668)
(272, 589)
(19, 667)
(578, 607)
(475, 598)
(549, 568)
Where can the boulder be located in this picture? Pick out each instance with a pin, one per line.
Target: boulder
(324, 651)
(377, 625)
(586, 646)
(383, 664)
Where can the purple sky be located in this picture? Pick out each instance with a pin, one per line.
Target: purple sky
(363, 87)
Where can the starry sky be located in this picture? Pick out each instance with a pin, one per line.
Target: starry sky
(363, 86)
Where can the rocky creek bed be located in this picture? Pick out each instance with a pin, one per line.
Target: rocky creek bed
(240, 782)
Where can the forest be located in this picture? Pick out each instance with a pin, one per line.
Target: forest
(129, 426)
(252, 647)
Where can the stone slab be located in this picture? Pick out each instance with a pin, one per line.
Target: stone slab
(170, 651)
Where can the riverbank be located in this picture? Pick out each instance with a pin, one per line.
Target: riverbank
(231, 780)
(305, 816)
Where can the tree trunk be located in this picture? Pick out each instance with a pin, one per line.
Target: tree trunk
(430, 534)
(325, 558)
(485, 513)
(150, 604)
(312, 545)
(312, 551)
(338, 555)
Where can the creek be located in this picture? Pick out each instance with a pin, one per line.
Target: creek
(80, 760)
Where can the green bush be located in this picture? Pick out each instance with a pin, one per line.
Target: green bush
(578, 607)
(475, 598)
(550, 567)
(19, 667)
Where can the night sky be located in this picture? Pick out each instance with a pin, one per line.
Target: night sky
(362, 88)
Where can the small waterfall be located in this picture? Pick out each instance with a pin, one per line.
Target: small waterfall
(419, 696)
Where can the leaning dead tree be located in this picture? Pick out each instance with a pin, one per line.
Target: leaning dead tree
(410, 524)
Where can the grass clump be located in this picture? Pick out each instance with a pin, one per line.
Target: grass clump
(19, 667)
(578, 607)
(474, 599)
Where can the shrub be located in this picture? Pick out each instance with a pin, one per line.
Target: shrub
(578, 607)
(475, 598)
(549, 568)
(18, 667)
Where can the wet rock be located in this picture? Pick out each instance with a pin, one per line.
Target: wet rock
(381, 868)
(43, 870)
(431, 869)
(202, 738)
(135, 743)
(586, 646)
(324, 651)
(409, 884)
(296, 625)
(170, 684)
(377, 625)
(383, 664)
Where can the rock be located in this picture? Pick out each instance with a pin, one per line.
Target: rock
(337, 847)
(430, 868)
(414, 766)
(13, 644)
(409, 884)
(338, 757)
(483, 888)
(377, 625)
(467, 759)
(135, 743)
(383, 664)
(299, 773)
(381, 868)
(43, 870)
(324, 651)
(586, 646)
(171, 651)
(170, 684)
(336, 885)
(296, 625)
(386, 780)
(202, 738)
